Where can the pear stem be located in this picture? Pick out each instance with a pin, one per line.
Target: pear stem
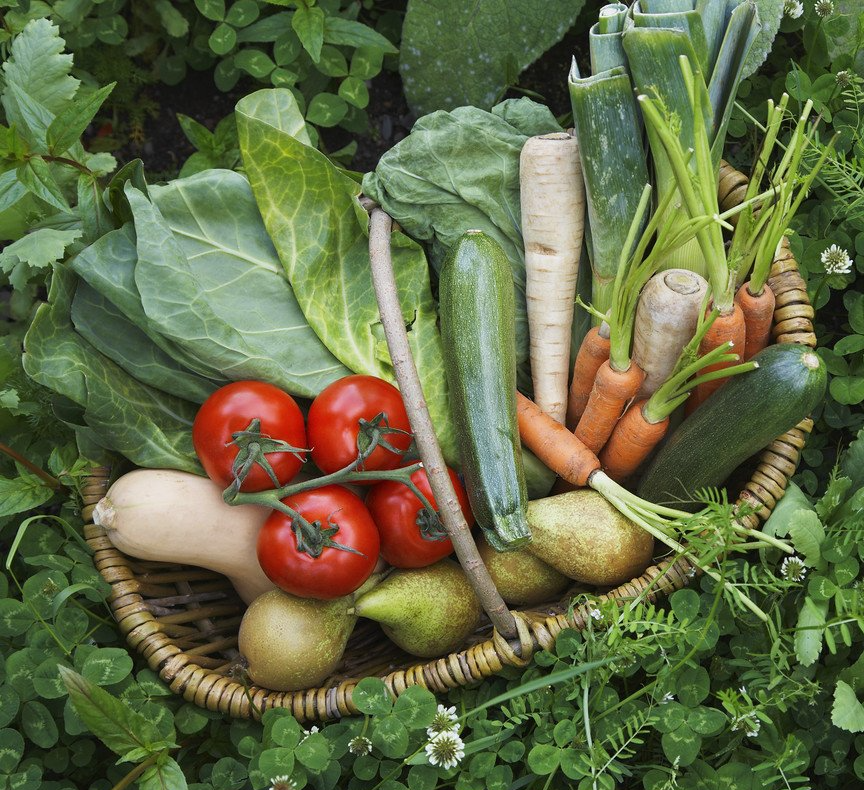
(393, 322)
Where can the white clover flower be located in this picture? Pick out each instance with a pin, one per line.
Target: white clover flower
(445, 749)
(836, 260)
(793, 9)
(445, 720)
(596, 614)
(283, 782)
(743, 690)
(793, 568)
(667, 697)
(359, 745)
(824, 8)
(749, 723)
(844, 78)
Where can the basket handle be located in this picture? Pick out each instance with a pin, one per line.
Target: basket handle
(384, 282)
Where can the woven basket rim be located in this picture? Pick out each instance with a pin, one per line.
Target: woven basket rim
(211, 687)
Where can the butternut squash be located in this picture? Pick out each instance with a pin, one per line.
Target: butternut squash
(170, 516)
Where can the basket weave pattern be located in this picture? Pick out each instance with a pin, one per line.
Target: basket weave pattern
(184, 620)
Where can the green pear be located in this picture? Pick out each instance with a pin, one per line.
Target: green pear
(294, 643)
(521, 578)
(582, 536)
(427, 611)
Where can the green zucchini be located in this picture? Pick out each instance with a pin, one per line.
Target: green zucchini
(478, 330)
(741, 418)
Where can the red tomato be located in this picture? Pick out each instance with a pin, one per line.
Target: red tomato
(335, 572)
(231, 409)
(334, 423)
(395, 509)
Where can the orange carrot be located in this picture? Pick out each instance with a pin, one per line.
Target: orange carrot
(593, 352)
(553, 444)
(758, 310)
(632, 440)
(611, 392)
(727, 327)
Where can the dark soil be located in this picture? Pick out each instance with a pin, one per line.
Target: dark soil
(164, 147)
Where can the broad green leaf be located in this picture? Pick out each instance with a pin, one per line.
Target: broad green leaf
(22, 493)
(371, 696)
(107, 665)
(9, 704)
(332, 63)
(809, 631)
(254, 62)
(108, 266)
(286, 48)
(277, 108)
(693, 685)
(38, 724)
(793, 500)
(314, 752)
(326, 109)
(147, 426)
(308, 24)
(852, 463)
(850, 344)
(390, 736)
(460, 170)
(770, 15)
(210, 280)
(544, 758)
(119, 727)
(212, 9)
(174, 22)
(848, 390)
(38, 178)
(11, 749)
(222, 39)
(228, 773)
(681, 745)
(456, 54)
(196, 133)
(15, 616)
(110, 332)
(415, 707)
(96, 220)
(312, 213)
(366, 62)
(847, 712)
(37, 65)
(807, 534)
(243, 13)
(685, 604)
(35, 251)
(268, 29)
(278, 761)
(165, 775)
(226, 74)
(338, 30)
(66, 129)
(354, 91)
(835, 494)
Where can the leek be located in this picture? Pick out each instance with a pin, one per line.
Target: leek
(607, 124)
(604, 38)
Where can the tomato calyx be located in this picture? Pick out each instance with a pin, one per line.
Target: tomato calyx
(312, 537)
(429, 522)
(372, 434)
(253, 448)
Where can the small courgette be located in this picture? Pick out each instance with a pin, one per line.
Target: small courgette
(737, 421)
(478, 331)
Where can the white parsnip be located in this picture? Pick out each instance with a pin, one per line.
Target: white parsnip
(666, 319)
(553, 217)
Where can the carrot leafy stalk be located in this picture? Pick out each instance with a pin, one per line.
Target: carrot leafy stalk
(566, 455)
(645, 423)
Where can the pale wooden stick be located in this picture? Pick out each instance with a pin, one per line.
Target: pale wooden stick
(421, 425)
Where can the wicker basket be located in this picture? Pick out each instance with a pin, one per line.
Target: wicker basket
(184, 620)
